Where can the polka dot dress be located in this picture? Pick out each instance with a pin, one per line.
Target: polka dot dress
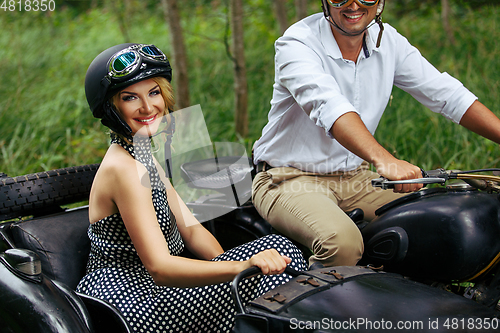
(116, 274)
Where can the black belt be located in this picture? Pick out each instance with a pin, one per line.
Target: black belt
(262, 166)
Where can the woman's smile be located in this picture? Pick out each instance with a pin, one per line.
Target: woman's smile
(146, 121)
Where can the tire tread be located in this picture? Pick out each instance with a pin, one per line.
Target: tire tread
(44, 192)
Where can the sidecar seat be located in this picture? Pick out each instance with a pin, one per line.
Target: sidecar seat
(61, 242)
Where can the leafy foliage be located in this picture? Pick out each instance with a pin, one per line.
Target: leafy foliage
(425, 7)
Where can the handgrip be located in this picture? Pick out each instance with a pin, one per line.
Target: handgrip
(247, 273)
(385, 184)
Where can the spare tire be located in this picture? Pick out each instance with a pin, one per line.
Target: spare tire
(44, 192)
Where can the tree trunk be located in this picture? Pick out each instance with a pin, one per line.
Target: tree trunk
(240, 75)
(281, 17)
(301, 9)
(179, 56)
(445, 11)
(120, 8)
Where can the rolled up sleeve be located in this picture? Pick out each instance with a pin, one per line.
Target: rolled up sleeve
(440, 92)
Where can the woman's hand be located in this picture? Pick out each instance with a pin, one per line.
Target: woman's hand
(269, 261)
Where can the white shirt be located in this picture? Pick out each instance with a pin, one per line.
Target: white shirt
(314, 86)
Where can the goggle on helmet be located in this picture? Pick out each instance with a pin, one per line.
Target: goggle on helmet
(127, 62)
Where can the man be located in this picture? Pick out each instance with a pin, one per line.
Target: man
(334, 74)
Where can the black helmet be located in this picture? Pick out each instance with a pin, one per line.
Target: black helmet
(378, 17)
(116, 68)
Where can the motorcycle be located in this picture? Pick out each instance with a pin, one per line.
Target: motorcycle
(431, 256)
(440, 236)
(442, 239)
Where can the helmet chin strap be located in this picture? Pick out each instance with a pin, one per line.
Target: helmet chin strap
(113, 121)
(169, 131)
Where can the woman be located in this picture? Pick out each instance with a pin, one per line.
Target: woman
(138, 230)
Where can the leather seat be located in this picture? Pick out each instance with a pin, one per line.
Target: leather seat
(61, 242)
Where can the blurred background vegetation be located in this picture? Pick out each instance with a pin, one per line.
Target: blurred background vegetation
(45, 122)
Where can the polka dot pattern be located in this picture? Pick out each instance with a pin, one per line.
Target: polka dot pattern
(116, 274)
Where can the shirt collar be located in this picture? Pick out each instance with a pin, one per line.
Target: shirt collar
(331, 46)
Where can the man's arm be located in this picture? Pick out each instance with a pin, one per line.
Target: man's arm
(479, 119)
(350, 131)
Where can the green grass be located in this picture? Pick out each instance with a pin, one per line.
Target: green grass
(45, 121)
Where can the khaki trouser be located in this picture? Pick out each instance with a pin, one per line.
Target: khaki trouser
(309, 208)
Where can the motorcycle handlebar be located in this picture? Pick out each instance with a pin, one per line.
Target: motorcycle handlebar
(439, 176)
(385, 184)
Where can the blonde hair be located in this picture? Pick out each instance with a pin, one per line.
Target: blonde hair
(167, 92)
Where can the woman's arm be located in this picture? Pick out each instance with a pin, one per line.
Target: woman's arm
(198, 240)
(183, 272)
(134, 201)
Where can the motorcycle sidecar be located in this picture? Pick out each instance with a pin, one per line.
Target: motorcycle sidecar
(44, 248)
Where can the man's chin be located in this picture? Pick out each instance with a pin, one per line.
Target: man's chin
(351, 32)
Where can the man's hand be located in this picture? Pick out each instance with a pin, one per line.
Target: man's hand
(400, 170)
